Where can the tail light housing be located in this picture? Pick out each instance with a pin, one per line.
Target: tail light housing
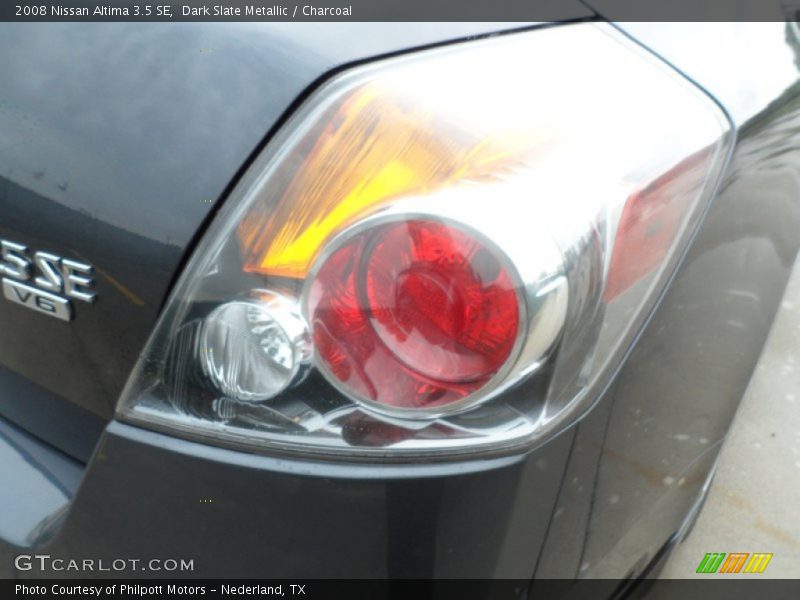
(439, 254)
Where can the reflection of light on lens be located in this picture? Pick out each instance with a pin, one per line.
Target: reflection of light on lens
(253, 349)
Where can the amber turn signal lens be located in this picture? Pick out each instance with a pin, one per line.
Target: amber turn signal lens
(376, 147)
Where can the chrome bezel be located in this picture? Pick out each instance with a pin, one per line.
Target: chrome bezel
(457, 208)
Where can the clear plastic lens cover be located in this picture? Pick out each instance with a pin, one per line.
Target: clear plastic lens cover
(439, 253)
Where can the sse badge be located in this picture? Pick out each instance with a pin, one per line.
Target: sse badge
(44, 282)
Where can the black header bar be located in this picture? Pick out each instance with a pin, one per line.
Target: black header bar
(397, 10)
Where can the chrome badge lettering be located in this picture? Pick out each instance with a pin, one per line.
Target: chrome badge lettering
(44, 282)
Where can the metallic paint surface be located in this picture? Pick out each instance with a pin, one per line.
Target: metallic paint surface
(598, 500)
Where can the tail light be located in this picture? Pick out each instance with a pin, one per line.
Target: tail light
(419, 315)
(439, 253)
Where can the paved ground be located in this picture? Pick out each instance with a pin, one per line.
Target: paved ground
(754, 502)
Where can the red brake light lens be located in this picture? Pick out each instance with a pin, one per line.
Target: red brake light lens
(414, 314)
(441, 301)
(652, 220)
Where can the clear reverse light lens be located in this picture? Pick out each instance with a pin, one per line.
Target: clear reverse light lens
(439, 254)
(254, 349)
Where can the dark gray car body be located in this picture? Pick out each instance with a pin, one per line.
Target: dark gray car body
(117, 144)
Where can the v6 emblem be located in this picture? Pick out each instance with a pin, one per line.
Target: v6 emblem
(40, 301)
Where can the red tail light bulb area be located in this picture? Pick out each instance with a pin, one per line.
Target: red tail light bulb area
(424, 316)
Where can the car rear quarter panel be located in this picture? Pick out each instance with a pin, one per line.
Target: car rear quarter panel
(598, 500)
